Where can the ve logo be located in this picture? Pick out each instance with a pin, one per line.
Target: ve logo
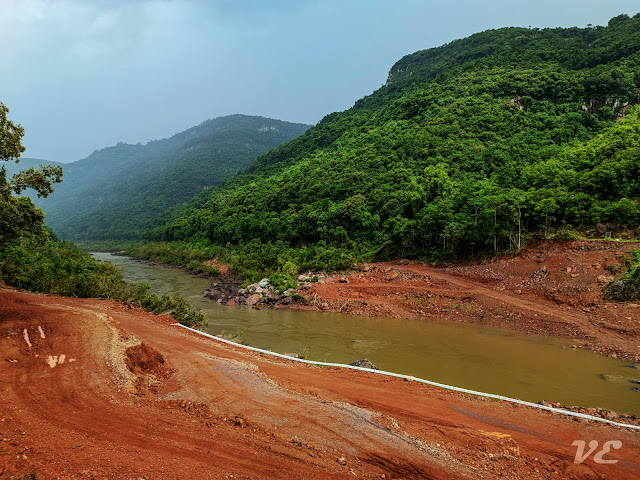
(598, 457)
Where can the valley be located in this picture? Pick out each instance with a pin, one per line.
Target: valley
(472, 224)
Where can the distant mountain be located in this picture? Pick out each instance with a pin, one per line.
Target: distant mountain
(116, 192)
(469, 148)
(13, 167)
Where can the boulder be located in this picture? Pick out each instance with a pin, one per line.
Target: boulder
(391, 275)
(253, 299)
(269, 297)
(604, 279)
(214, 294)
(254, 288)
(264, 283)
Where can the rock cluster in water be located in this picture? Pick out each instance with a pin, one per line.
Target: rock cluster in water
(257, 294)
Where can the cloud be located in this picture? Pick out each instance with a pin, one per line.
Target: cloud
(250, 11)
(110, 70)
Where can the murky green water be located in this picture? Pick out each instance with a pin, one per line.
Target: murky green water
(529, 367)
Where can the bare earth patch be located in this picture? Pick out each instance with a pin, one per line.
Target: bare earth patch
(145, 399)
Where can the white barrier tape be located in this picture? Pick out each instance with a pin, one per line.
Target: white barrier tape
(415, 379)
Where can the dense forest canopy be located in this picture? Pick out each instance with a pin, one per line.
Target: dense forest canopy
(469, 148)
(116, 192)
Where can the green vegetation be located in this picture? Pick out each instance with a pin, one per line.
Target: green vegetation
(469, 149)
(15, 166)
(18, 215)
(32, 257)
(62, 268)
(249, 262)
(117, 192)
(633, 273)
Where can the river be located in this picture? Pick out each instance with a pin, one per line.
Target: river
(529, 367)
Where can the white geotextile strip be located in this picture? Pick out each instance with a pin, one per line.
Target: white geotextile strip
(415, 379)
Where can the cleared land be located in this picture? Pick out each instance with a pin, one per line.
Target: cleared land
(93, 389)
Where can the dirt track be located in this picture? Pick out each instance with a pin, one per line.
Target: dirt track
(553, 289)
(82, 398)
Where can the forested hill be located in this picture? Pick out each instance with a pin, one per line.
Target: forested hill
(116, 192)
(12, 167)
(471, 147)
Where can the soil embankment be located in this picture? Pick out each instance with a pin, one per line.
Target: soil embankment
(550, 288)
(92, 389)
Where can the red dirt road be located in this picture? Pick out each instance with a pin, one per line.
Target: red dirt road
(92, 389)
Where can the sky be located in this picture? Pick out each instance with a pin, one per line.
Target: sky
(80, 75)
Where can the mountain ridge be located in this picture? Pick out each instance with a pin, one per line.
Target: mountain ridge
(441, 162)
(117, 190)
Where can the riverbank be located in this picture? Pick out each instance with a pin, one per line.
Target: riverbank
(551, 288)
(466, 355)
(94, 389)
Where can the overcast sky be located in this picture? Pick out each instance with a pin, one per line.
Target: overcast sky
(80, 75)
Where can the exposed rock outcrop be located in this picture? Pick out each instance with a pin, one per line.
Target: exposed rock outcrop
(624, 289)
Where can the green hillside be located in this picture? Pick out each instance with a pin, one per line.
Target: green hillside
(116, 192)
(469, 148)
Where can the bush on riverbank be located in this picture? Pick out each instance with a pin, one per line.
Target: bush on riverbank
(48, 265)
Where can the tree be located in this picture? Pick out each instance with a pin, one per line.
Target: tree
(10, 136)
(18, 215)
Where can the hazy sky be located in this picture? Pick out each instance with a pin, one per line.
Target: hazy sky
(80, 75)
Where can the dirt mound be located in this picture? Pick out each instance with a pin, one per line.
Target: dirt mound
(143, 359)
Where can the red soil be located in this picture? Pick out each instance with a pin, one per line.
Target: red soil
(554, 289)
(95, 390)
